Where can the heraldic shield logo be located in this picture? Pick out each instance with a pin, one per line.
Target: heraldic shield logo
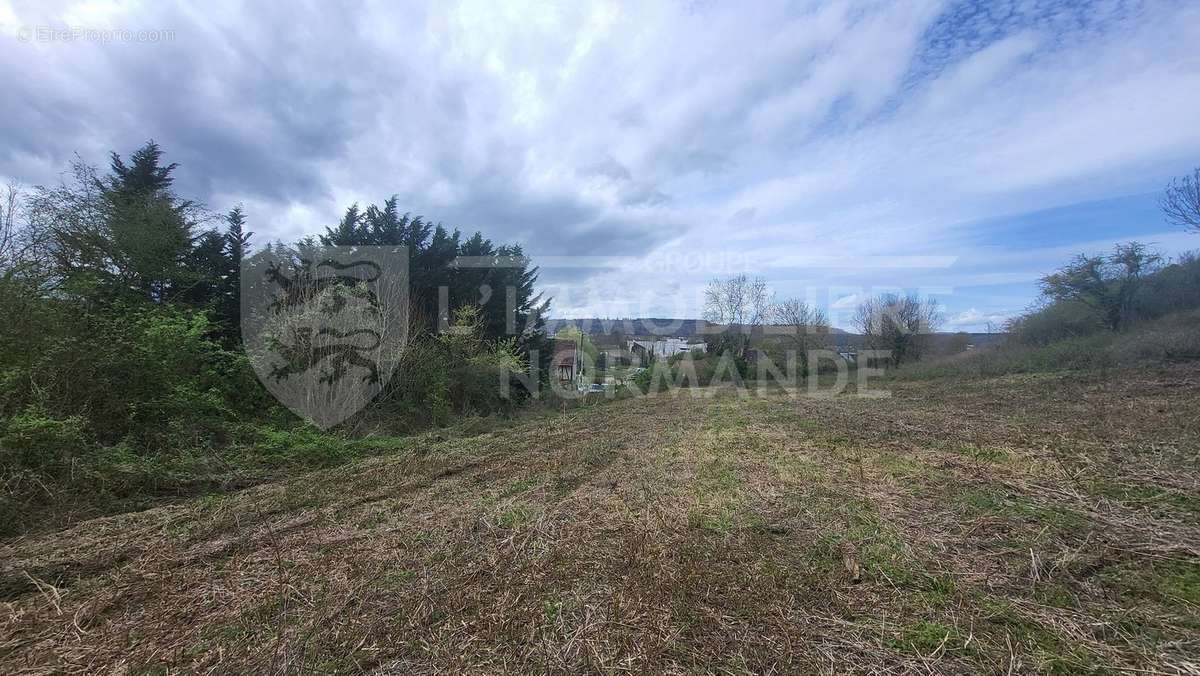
(325, 327)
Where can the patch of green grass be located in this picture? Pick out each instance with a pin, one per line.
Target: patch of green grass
(306, 446)
(724, 416)
(1181, 582)
(939, 590)
(211, 501)
(298, 495)
(881, 549)
(1173, 582)
(1055, 595)
(1154, 498)
(925, 637)
(796, 423)
(598, 456)
(374, 518)
(1051, 652)
(985, 502)
(885, 557)
(520, 486)
(980, 453)
(796, 468)
(181, 530)
(552, 610)
(717, 485)
(783, 414)
(899, 465)
(980, 501)
(716, 488)
(720, 520)
(225, 633)
(397, 579)
(718, 475)
(516, 516)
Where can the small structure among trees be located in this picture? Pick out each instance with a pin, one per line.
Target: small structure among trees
(564, 365)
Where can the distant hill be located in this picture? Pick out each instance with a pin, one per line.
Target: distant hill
(845, 339)
(644, 326)
(697, 328)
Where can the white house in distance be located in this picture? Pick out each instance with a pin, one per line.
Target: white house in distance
(664, 348)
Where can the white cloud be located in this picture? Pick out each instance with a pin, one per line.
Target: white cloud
(746, 138)
(974, 320)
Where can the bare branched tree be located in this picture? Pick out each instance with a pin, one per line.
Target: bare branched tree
(898, 324)
(807, 327)
(1181, 201)
(20, 234)
(737, 300)
(8, 226)
(740, 304)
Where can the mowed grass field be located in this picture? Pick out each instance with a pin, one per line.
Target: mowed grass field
(1037, 523)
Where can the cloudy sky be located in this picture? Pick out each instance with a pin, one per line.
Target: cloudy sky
(956, 149)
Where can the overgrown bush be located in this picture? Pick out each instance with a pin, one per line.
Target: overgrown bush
(456, 373)
(149, 375)
(122, 373)
(692, 370)
(1172, 338)
(1114, 292)
(1058, 321)
(1174, 288)
(35, 440)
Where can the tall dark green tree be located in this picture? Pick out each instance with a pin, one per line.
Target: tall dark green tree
(236, 243)
(385, 226)
(348, 231)
(125, 235)
(447, 272)
(237, 238)
(144, 176)
(207, 271)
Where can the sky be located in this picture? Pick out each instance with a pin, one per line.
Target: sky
(636, 150)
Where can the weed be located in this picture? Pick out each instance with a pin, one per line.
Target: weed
(926, 637)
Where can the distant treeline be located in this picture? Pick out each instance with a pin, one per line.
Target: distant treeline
(699, 328)
(643, 326)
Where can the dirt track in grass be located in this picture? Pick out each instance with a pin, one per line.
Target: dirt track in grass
(1044, 523)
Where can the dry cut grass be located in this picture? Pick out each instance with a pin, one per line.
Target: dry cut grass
(1044, 523)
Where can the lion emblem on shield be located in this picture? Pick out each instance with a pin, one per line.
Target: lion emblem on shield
(325, 328)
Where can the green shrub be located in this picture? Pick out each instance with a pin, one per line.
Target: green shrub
(1172, 338)
(305, 445)
(1174, 288)
(456, 373)
(1170, 289)
(689, 370)
(148, 374)
(1058, 321)
(34, 440)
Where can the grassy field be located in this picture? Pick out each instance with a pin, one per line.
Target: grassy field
(1016, 524)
